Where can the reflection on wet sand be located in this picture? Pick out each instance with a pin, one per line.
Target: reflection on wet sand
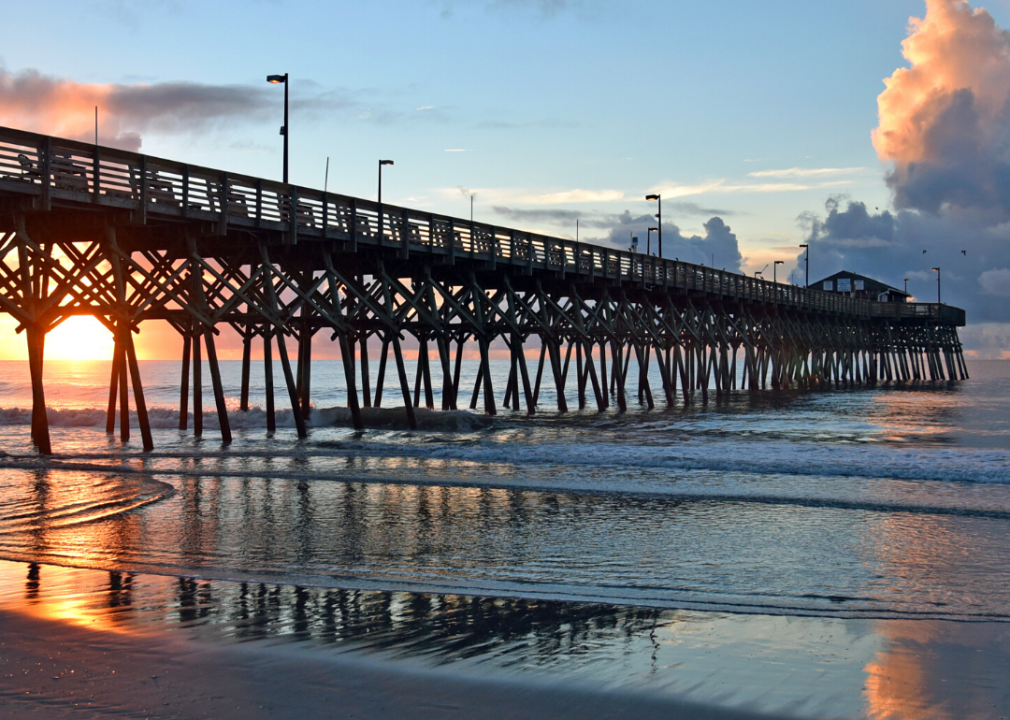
(938, 670)
(440, 628)
(810, 667)
(924, 669)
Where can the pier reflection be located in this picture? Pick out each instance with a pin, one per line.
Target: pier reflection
(440, 628)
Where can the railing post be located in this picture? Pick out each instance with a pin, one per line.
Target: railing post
(450, 241)
(259, 203)
(405, 242)
(45, 163)
(293, 210)
(185, 190)
(222, 227)
(326, 215)
(96, 175)
(354, 225)
(143, 189)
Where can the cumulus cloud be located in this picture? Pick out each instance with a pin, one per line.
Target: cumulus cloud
(945, 120)
(972, 255)
(719, 244)
(944, 137)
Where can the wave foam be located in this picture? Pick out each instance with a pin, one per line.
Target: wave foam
(255, 417)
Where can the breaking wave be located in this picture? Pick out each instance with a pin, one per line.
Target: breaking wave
(255, 417)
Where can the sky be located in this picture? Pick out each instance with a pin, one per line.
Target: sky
(763, 125)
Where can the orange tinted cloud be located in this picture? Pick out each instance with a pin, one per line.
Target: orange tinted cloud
(943, 120)
(30, 100)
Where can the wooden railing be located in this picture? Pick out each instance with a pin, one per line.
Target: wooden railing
(65, 170)
(942, 314)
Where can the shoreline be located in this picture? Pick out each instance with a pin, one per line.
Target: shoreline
(57, 670)
(125, 645)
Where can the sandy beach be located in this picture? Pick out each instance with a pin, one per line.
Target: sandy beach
(54, 669)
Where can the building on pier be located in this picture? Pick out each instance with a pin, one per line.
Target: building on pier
(854, 285)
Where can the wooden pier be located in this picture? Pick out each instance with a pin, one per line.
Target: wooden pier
(89, 230)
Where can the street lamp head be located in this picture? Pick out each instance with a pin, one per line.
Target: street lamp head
(653, 229)
(780, 262)
(277, 79)
(385, 162)
(804, 245)
(936, 269)
(652, 197)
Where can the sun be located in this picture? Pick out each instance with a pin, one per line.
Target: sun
(81, 337)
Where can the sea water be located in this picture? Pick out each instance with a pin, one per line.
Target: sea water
(863, 504)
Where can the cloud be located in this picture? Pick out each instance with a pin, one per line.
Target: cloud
(807, 172)
(524, 196)
(944, 134)
(988, 341)
(945, 120)
(908, 244)
(723, 187)
(557, 217)
(690, 208)
(541, 8)
(718, 245)
(590, 220)
(65, 108)
(996, 282)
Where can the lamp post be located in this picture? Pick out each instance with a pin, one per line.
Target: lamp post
(659, 217)
(807, 254)
(283, 80)
(937, 271)
(758, 274)
(381, 163)
(775, 268)
(906, 286)
(648, 241)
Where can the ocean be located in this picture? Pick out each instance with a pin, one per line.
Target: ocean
(778, 509)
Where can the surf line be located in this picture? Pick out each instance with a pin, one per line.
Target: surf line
(560, 488)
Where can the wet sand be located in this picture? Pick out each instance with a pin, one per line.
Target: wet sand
(55, 669)
(87, 643)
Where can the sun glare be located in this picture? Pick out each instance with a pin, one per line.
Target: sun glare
(79, 338)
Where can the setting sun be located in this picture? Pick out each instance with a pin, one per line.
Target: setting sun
(79, 338)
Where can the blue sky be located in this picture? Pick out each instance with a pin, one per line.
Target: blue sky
(756, 112)
(542, 97)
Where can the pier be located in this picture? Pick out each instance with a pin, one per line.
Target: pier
(124, 237)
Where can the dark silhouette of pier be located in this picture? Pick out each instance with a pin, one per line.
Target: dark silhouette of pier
(89, 230)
